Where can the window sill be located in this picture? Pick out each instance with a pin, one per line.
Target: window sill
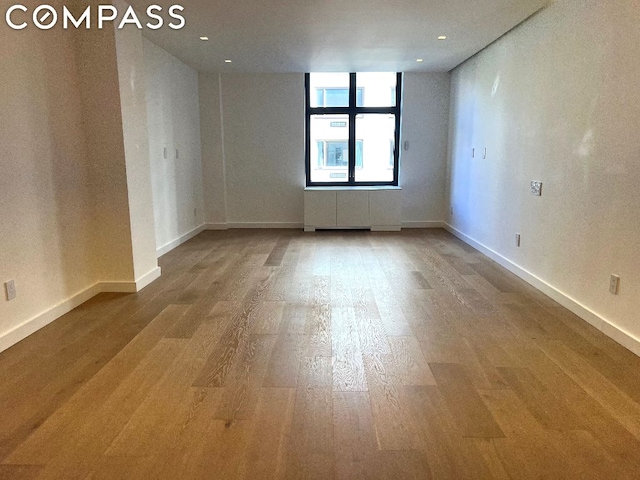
(347, 188)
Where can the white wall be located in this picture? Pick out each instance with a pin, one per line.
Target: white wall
(45, 199)
(131, 72)
(75, 185)
(263, 121)
(557, 101)
(253, 148)
(173, 123)
(213, 163)
(425, 124)
(102, 125)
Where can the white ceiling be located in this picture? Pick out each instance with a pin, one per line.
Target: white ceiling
(336, 35)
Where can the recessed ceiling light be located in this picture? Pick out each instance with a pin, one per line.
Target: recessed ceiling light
(442, 37)
(204, 39)
(419, 60)
(227, 61)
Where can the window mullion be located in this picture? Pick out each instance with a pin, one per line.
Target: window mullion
(398, 139)
(307, 127)
(352, 128)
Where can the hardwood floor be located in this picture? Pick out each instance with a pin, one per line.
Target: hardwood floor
(280, 354)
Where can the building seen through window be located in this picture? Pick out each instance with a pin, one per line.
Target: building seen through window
(352, 128)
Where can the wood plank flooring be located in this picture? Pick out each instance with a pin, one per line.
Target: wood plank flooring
(348, 355)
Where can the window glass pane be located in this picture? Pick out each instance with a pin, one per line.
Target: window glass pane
(330, 157)
(392, 153)
(375, 133)
(320, 161)
(329, 89)
(335, 97)
(337, 154)
(378, 89)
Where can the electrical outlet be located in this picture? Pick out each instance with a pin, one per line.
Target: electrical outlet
(517, 239)
(10, 289)
(536, 189)
(614, 284)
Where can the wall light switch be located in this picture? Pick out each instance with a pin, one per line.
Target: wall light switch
(536, 189)
(614, 284)
(10, 289)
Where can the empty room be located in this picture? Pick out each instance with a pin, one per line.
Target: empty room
(320, 240)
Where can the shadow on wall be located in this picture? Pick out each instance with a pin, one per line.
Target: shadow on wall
(69, 173)
(47, 241)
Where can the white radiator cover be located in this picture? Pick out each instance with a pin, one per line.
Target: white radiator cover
(376, 208)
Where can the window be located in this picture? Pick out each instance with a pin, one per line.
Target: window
(352, 128)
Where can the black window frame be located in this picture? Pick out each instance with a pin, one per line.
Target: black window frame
(352, 111)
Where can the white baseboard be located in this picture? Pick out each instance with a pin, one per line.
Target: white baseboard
(295, 225)
(216, 226)
(241, 225)
(179, 241)
(22, 331)
(386, 228)
(131, 287)
(118, 287)
(148, 278)
(624, 338)
(422, 224)
(299, 225)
